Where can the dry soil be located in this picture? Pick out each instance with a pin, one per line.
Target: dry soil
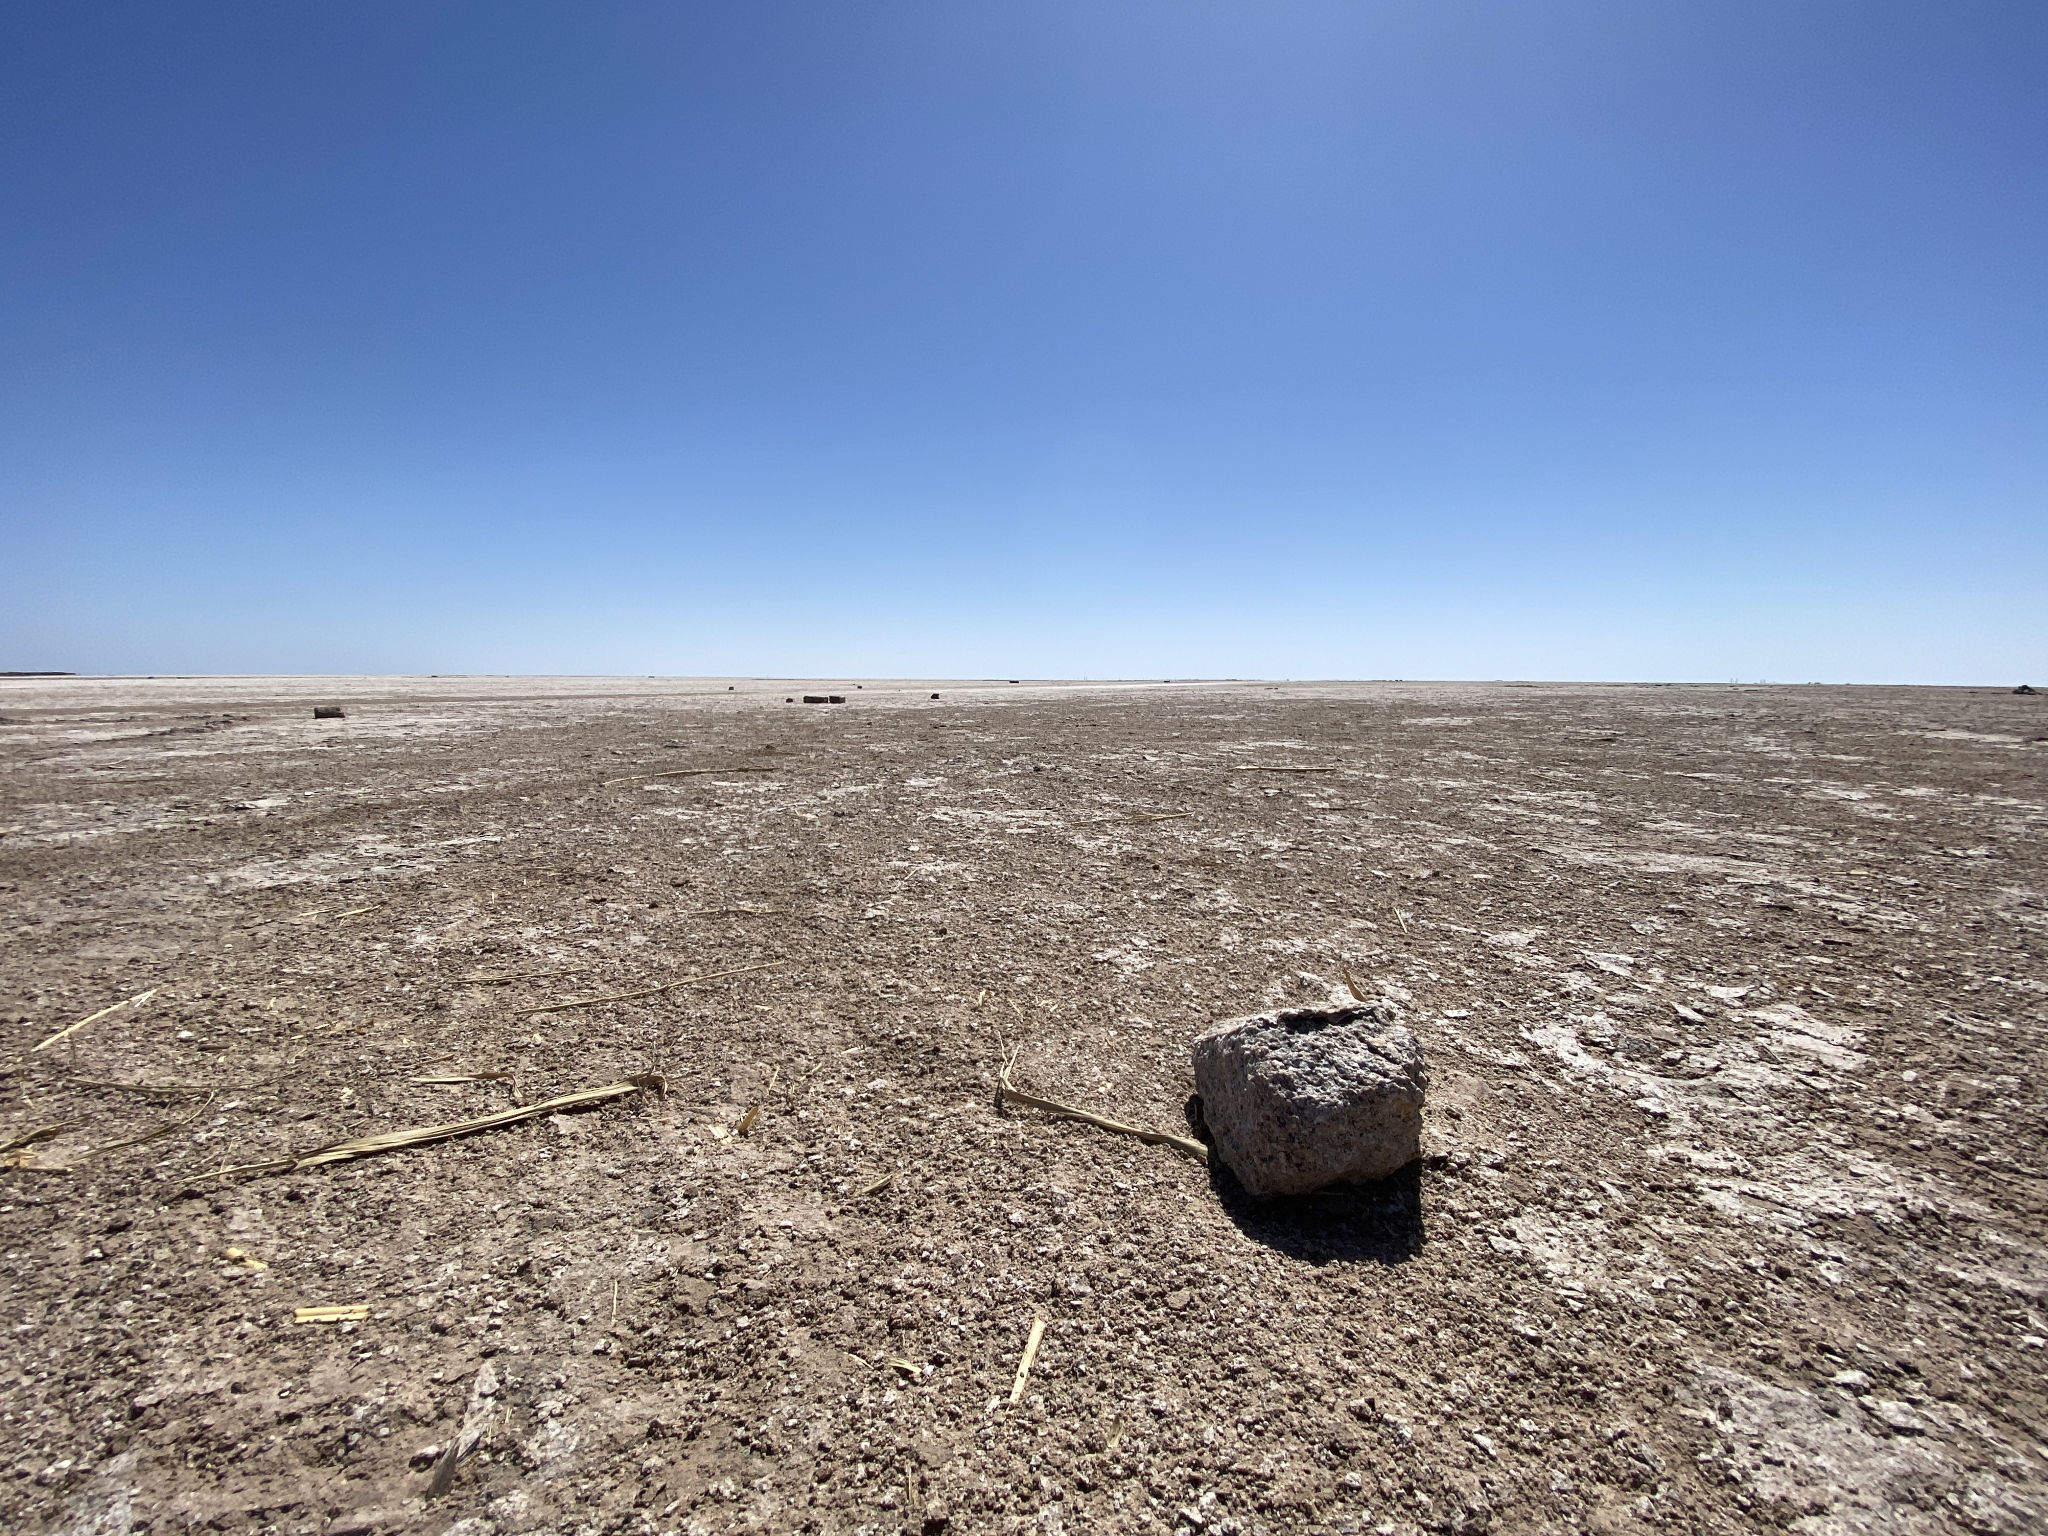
(1732, 1213)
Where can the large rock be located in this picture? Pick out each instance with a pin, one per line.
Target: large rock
(1309, 1097)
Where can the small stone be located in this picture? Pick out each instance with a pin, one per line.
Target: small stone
(328, 712)
(1894, 1415)
(1304, 1098)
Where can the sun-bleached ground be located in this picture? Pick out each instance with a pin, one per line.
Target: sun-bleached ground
(1733, 1000)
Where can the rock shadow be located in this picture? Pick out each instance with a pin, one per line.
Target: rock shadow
(1377, 1223)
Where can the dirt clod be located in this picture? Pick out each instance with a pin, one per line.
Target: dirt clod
(1303, 1098)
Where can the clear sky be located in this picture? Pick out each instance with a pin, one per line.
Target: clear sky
(1383, 338)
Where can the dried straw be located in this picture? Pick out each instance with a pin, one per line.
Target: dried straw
(1184, 1144)
(392, 1141)
(40, 1133)
(339, 1314)
(127, 1002)
(1030, 1354)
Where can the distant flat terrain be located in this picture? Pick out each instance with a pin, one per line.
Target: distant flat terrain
(1732, 1215)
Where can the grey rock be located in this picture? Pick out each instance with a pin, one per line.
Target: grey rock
(1894, 1415)
(1303, 1098)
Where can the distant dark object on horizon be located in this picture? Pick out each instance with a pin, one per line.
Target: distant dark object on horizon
(2023, 687)
(38, 674)
(824, 698)
(328, 712)
(935, 695)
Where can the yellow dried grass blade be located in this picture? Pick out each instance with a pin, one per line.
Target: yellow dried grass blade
(391, 1141)
(1030, 1354)
(1183, 1144)
(127, 1002)
(355, 1314)
(1351, 982)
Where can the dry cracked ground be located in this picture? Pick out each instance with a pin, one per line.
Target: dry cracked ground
(1731, 1218)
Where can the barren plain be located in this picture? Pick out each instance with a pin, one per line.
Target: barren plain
(1732, 1213)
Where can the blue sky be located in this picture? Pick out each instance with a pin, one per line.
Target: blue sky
(1421, 339)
